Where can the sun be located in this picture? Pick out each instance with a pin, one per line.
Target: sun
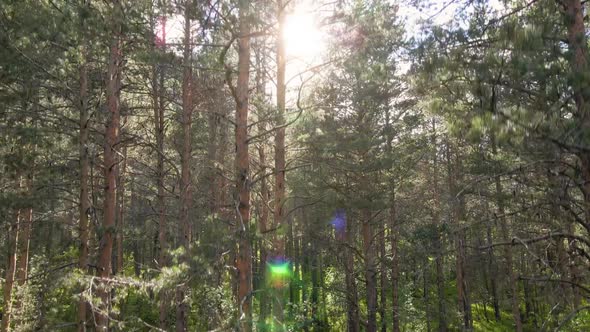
(303, 38)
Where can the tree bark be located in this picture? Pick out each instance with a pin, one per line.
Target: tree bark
(12, 247)
(508, 257)
(395, 307)
(383, 277)
(22, 269)
(370, 272)
(279, 192)
(244, 254)
(278, 250)
(439, 264)
(353, 319)
(110, 169)
(83, 198)
(264, 191)
(185, 228)
(455, 171)
(158, 105)
(121, 209)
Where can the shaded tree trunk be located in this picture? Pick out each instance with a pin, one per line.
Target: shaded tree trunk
(370, 272)
(439, 264)
(83, 198)
(110, 168)
(383, 278)
(508, 257)
(353, 319)
(393, 238)
(185, 228)
(121, 210)
(455, 171)
(158, 105)
(244, 254)
(264, 209)
(12, 247)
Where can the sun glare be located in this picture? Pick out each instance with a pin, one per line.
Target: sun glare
(303, 38)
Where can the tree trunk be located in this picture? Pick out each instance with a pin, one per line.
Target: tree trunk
(455, 173)
(278, 250)
(84, 199)
(353, 318)
(493, 270)
(244, 255)
(264, 193)
(508, 257)
(279, 192)
(158, 104)
(22, 269)
(370, 272)
(439, 264)
(12, 247)
(383, 278)
(110, 170)
(121, 209)
(185, 228)
(395, 307)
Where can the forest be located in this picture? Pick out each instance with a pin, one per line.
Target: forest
(294, 165)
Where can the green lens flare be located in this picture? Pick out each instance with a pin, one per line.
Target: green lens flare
(279, 273)
(280, 270)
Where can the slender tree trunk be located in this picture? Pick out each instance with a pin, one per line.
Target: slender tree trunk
(110, 169)
(22, 269)
(508, 257)
(393, 237)
(185, 228)
(383, 278)
(455, 171)
(505, 233)
(280, 163)
(84, 199)
(244, 254)
(279, 189)
(159, 130)
(121, 210)
(12, 248)
(439, 263)
(279, 192)
(493, 271)
(353, 318)
(370, 272)
(264, 193)
(426, 298)
(395, 307)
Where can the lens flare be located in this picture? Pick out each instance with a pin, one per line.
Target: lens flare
(339, 223)
(279, 272)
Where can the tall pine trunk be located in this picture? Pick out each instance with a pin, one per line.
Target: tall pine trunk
(370, 271)
(244, 254)
(12, 247)
(504, 231)
(353, 319)
(185, 229)
(457, 204)
(83, 198)
(110, 169)
(439, 263)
